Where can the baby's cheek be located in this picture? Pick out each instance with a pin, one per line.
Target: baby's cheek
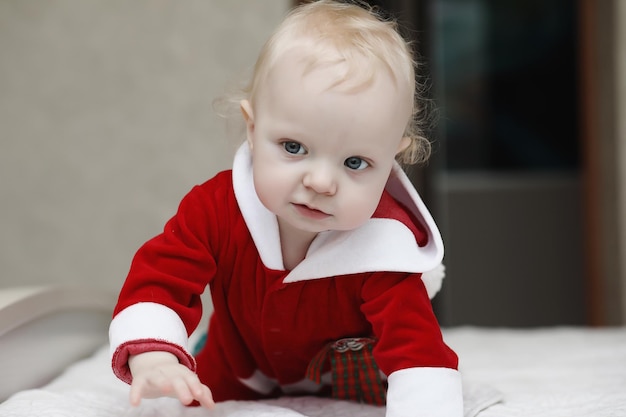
(273, 186)
(266, 193)
(359, 212)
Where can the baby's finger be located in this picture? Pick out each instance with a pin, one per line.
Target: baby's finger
(204, 397)
(136, 390)
(181, 391)
(200, 392)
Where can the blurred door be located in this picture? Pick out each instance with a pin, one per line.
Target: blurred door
(504, 182)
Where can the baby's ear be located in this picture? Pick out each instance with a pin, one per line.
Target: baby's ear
(404, 143)
(248, 117)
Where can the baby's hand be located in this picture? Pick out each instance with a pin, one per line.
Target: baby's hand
(158, 374)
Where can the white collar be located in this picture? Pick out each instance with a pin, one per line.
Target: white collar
(378, 245)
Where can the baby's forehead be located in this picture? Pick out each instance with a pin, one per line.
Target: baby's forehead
(331, 67)
(369, 98)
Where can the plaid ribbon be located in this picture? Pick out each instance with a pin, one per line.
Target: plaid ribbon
(355, 375)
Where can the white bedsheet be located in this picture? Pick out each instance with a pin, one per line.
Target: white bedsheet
(563, 372)
(543, 373)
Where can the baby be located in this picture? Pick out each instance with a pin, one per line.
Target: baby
(319, 254)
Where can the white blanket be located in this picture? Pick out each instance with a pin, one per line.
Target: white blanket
(541, 373)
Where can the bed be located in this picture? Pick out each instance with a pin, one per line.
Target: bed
(55, 363)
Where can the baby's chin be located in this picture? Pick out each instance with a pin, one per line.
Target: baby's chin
(346, 227)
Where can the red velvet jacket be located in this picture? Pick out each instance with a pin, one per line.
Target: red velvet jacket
(268, 322)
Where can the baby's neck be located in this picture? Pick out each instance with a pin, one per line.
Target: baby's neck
(294, 244)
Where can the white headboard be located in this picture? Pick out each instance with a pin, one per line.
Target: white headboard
(45, 329)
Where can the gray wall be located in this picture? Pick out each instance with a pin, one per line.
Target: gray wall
(106, 120)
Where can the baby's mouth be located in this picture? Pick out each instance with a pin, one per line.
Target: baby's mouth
(310, 212)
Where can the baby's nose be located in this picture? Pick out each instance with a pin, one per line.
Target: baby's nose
(321, 180)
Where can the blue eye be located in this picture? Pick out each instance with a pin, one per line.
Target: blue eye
(294, 148)
(355, 163)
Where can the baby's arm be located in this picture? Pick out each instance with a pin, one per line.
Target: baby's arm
(423, 377)
(158, 374)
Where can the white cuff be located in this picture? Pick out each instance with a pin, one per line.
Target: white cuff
(432, 392)
(147, 321)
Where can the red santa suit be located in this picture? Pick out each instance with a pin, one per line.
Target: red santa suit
(268, 322)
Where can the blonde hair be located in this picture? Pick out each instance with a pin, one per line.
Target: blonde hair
(355, 34)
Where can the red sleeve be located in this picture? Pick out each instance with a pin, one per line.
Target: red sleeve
(403, 321)
(174, 268)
